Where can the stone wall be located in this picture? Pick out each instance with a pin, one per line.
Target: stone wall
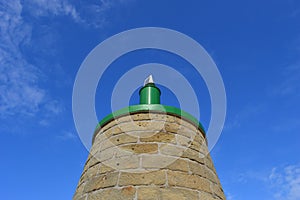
(149, 156)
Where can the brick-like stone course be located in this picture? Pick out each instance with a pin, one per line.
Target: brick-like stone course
(148, 156)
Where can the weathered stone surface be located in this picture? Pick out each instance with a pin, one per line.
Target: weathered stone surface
(164, 162)
(141, 148)
(160, 137)
(147, 178)
(171, 127)
(104, 169)
(199, 139)
(92, 161)
(153, 193)
(92, 171)
(178, 194)
(218, 191)
(79, 190)
(117, 140)
(194, 145)
(207, 196)
(102, 181)
(183, 141)
(123, 163)
(77, 197)
(179, 165)
(141, 126)
(115, 130)
(105, 154)
(208, 162)
(188, 181)
(193, 155)
(203, 171)
(149, 156)
(172, 150)
(123, 139)
(156, 161)
(126, 193)
(143, 116)
(148, 193)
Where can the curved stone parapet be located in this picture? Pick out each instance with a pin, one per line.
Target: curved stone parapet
(149, 156)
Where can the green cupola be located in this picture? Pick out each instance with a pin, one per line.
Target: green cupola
(149, 94)
(150, 103)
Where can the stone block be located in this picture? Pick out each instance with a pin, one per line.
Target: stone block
(193, 155)
(186, 180)
(178, 194)
(148, 193)
(123, 163)
(160, 137)
(203, 171)
(217, 190)
(126, 193)
(156, 161)
(102, 181)
(147, 178)
(141, 148)
(172, 150)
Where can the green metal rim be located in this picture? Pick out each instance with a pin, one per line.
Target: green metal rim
(150, 108)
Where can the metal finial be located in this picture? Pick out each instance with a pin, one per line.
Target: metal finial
(148, 80)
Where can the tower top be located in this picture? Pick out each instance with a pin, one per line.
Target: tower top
(150, 103)
(149, 94)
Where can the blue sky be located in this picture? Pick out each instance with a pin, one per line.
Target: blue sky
(255, 44)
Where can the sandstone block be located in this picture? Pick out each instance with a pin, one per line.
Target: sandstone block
(156, 161)
(203, 171)
(102, 181)
(193, 155)
(125, 162)
(141, 148)
(160, 137)
(172, 150)
(188, 181)
(178, 194)
(218, 191)
(126, 193)
(148, 178)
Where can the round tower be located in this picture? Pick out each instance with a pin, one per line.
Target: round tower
(147, 152)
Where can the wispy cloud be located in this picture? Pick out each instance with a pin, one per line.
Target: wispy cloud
(243, 115)
(290, 84)
(285, 182)
(67, 135)
(86, 13)
(21, 91)
(95, 14)
(229, 196)
(40, 8)
(288, 124)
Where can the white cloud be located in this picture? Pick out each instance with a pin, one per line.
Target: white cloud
(87, 13)
(242, 115)
(52, 7)
(285, 182)
(229, 196)
(66, 135)
(289, 83)
(20, 81)
(54, 107)
(19, 89)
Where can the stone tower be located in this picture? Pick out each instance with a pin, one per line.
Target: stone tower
(147, 152)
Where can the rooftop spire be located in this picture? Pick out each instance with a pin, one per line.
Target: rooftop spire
(149, 94)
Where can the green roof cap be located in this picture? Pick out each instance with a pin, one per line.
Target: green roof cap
(150, 103)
